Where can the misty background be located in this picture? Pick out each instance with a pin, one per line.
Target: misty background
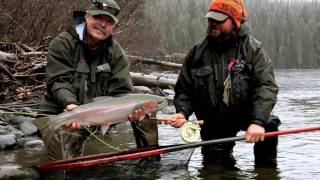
(288, 29)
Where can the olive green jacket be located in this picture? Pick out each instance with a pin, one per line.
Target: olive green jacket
(75, 75)
(200, 85)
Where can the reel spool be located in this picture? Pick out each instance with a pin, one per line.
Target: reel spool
(190, 132)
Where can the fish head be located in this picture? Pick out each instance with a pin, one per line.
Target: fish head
(152, 106)
(149, 106)
(155, 105)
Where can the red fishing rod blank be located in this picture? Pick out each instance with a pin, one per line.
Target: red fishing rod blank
(106, 158)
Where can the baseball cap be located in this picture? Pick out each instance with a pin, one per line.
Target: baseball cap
(106, 7)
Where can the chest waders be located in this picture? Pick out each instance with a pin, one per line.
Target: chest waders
(214, 74)
(91, 81)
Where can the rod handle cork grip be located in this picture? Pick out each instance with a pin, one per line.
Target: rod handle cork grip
(165, 120)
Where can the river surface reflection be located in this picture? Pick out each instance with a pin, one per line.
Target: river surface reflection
(298, 106)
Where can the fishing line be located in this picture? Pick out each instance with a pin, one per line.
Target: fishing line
(103, 142)
(26, 113)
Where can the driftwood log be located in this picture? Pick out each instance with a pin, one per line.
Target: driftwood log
(140, 79)
(29, 54)
(153, 61)
(22, 74)
(131, 57)
(8, 57)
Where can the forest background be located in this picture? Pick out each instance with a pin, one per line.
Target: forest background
(288, 29)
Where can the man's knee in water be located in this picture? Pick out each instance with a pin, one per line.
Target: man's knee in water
(265, 152)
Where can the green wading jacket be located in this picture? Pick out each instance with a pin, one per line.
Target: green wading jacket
(200, 85)
(77, 75)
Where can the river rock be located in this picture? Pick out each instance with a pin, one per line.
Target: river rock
(1, 113)
(7, 140)
(28, 128)
(21, 119)
(9, 129)
(17, 172)
(7, 117)
(3, 123)
(30, 142)
(34, 143)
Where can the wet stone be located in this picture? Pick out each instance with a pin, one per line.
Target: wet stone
(17, 172)
(21, 119)
(9, 129)
(3, 123)
(34, 143)
(1, 113)
(30, 142)
(7, 117)
(28, 128)
(7, 141)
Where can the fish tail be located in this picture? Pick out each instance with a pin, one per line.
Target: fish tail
(42, 123)
(46, 126)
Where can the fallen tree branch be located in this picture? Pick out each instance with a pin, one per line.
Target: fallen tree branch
(35, 53)
(153, 61)
(26, 48)
(8, 56)
(7, 72)
(29, 75)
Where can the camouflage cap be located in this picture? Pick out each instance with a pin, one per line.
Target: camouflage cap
(107, 7)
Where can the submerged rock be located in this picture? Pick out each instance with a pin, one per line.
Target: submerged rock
(17, 172)
(30, 142)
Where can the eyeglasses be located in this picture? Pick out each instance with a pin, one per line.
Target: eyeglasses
(105, 7)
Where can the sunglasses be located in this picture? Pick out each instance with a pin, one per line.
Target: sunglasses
(104, 6)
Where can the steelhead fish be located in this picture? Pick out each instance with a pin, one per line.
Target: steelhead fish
(104, 112)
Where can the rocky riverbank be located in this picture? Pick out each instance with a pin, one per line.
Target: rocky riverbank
(17, 131)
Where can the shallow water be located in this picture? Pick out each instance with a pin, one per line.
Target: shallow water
(298, 106)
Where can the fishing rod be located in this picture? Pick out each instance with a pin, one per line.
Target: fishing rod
(106, 158)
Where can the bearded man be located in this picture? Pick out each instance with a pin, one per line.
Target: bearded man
(227, 80)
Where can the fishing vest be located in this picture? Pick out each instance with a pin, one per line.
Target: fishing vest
(90, 80)
(226, 80)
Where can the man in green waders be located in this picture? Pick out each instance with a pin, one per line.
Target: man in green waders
(85, 62)
(227, 80)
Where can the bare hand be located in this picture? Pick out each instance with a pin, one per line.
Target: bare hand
(255, 133)
(137, 115)
(71, 107)
(73, 125)
(176, 120)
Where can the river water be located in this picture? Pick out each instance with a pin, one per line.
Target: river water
(298, 106)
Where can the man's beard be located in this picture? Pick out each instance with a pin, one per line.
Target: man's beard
(223, 41)
(222, 36)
